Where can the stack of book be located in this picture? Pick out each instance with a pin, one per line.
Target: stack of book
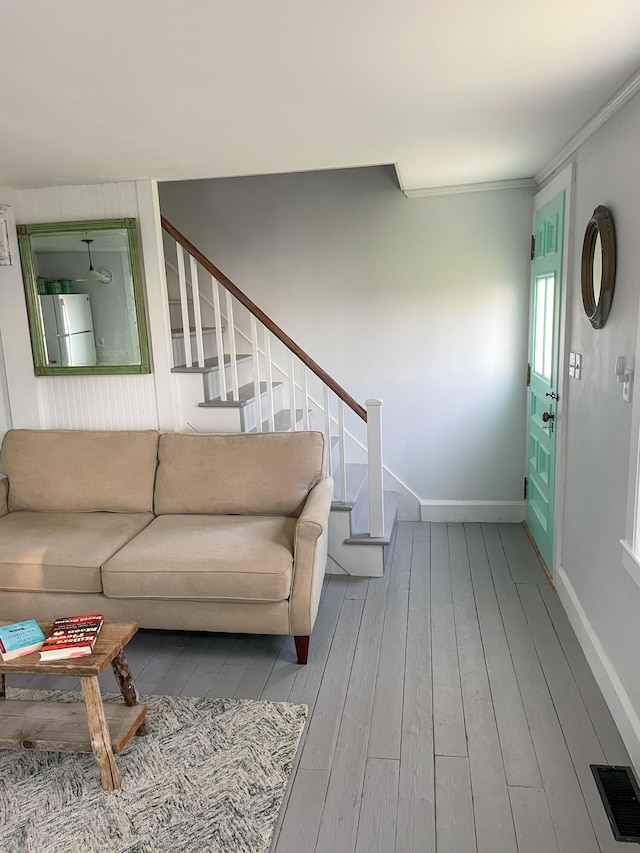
(72, 637)
(69, 637)
(19, 639)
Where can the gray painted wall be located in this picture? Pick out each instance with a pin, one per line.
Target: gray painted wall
(602, 428)
(425, 304)
(5, 411)
(420, 302)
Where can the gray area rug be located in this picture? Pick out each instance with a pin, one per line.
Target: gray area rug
(209, 778)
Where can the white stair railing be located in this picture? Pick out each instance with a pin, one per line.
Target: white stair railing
(255, 353)
(197, 315)
(184, 306)
(233, 351)
(285, 369)
(222, 373)
(342, 452)
(374, 447)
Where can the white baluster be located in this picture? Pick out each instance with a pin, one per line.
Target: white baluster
(184, 306)
(256, 373)
(292, 392)
(269, 378)
(343, 458)
(327, 423)
(197, 317)
(305, 397)
(374, 452)
(233, 354)
(222, 376)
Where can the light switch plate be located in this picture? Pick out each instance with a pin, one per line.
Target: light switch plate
(578, 368)
(575, 365)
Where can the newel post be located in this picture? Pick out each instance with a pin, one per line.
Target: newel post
(374, 450)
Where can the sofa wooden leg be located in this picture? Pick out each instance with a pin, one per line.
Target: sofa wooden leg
(302, 648)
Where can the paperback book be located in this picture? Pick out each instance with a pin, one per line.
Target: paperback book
(72, 637)
(19, 639)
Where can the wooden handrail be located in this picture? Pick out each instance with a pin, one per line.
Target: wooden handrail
(266, 321)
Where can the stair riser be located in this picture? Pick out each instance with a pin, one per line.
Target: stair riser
(285, 415)
(360, 506)
(212, 379)
(194, 417)
(364, 561)
(249, 415)
(217, 420)
(207, 314)
(208, 342)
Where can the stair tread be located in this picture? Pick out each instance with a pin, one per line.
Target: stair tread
(359, 534)
(210, 364)
(178, 332)
(246, 394)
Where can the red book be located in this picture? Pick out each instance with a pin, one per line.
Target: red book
(72, 637)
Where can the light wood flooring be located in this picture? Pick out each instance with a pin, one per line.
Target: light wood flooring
(450, 706)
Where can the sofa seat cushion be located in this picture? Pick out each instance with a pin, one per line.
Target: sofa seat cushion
(206, 557)
(62, 551)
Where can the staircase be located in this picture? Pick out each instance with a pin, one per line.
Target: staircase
(237, 371)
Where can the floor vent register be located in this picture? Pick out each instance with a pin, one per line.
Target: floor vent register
(621, 799)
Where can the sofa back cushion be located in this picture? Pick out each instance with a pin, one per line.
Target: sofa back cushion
(80, 471)
(242, 474)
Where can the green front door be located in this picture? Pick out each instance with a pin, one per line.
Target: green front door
(543, 383)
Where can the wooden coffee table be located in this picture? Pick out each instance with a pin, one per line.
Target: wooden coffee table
(74, 726)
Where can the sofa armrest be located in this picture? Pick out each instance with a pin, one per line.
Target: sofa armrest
(4, 495)
(310, 557)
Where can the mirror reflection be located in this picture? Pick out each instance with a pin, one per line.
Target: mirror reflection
(85, 297)
(597, 269)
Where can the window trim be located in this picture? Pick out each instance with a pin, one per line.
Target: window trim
(631, 561)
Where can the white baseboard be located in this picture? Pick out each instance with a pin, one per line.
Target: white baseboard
(489, 511)
(624, 714)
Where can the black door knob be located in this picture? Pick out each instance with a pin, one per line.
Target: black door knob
(547, 416)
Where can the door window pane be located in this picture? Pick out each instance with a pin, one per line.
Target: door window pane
(544, 299)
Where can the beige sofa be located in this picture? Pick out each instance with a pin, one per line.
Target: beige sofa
(183, 532)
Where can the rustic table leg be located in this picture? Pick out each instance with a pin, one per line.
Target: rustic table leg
(100, 738)
(128, 687)
(3, 687)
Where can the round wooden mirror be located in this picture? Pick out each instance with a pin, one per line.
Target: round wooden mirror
(598, 266)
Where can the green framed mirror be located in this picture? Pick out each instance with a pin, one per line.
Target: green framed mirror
(85, 297)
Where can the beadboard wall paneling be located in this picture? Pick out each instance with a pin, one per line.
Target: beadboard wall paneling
(66, 204)
(97, 402)
(89, 402)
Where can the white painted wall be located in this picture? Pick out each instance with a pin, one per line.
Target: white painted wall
(6, 198)
(14, 332)
(420, 302)
(599, 594)
(85, 402)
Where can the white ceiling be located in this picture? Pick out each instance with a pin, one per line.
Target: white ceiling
(452, 92)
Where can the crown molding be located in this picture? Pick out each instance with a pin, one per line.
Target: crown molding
(618, 100)
(458, 189)
(399, 176)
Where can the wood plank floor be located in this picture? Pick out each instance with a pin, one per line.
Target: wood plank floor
(450, 705)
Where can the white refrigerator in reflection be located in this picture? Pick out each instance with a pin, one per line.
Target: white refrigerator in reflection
(68, 329)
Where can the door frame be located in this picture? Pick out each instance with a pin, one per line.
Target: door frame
(564, 180)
